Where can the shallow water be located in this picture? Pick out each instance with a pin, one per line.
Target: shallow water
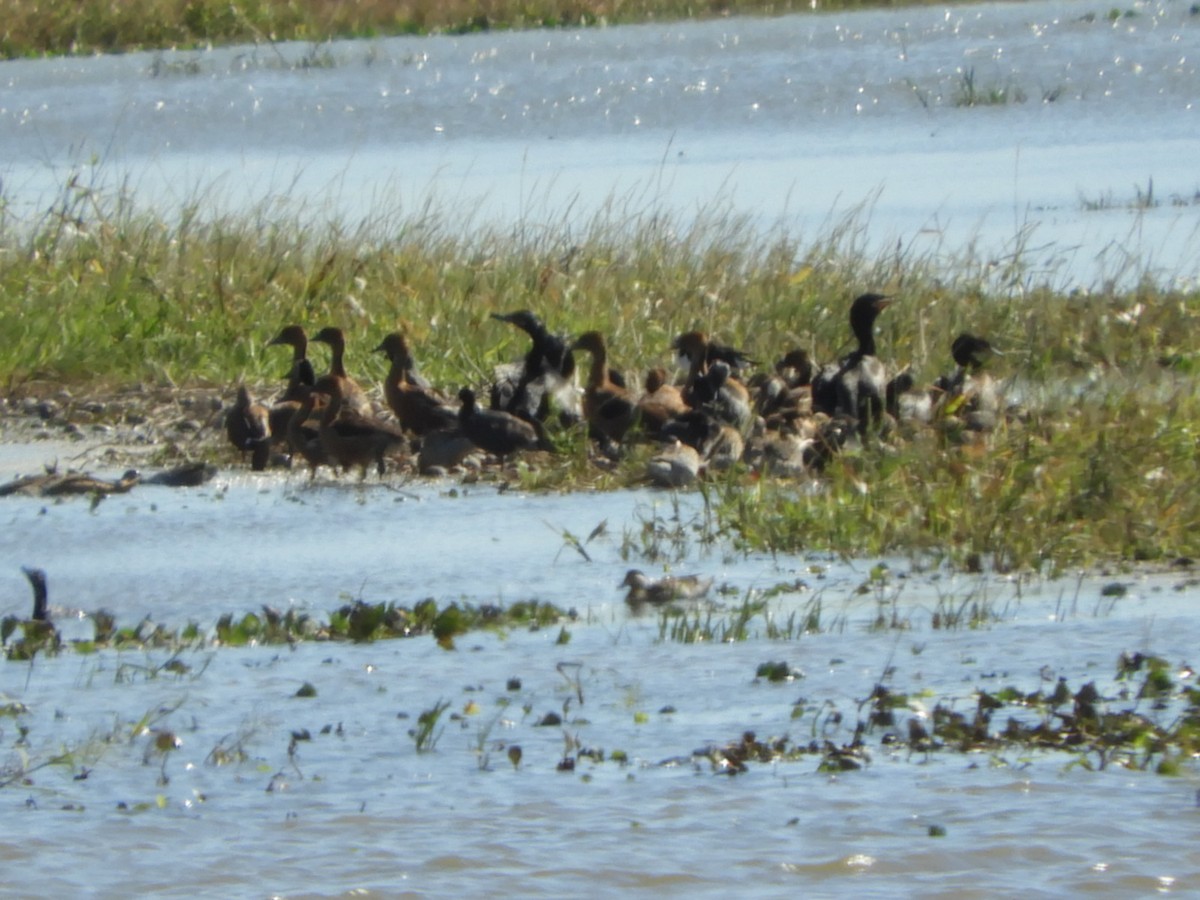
(799, 123)
(357, 808)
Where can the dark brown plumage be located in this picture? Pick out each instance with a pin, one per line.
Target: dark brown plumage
(857, 384)
(350, 439)
(419, 409)
(608, 408)
(493, 430)
(248, 427)
(354, 397)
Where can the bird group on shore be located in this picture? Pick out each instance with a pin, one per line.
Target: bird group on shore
(792, 419)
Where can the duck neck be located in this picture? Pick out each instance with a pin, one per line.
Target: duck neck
(599, 374)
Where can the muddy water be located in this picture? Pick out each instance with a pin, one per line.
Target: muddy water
(358, 808)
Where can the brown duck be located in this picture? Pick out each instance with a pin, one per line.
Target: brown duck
(350, 439)
(609, 409)
(354, 397)
(419, 409)
(304, 435)
(248, 427)
(660, 402)
(300, 377)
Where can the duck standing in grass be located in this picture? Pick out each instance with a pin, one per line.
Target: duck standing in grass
(660, 402)
(857, 385)
(248, 427)
(608, 408)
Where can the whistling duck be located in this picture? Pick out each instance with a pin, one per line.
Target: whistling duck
(969, 390)
(493, 430)
(300, 377)
(353, 397)
(304, 437)
(663, 590)
(856, 385)
(247, 424)
(350, 439)
(418, 409)
(301, 373)
(660, 401)
(547, 372)
(608, 407)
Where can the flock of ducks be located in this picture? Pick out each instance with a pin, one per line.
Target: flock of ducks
(790, 420)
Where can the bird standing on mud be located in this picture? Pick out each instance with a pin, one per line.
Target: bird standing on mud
(495, 431)
(546, 373)
(248, 427)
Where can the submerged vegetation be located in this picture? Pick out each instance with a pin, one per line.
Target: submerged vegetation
(92, 26)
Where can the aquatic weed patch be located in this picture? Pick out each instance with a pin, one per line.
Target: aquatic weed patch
(357, 622)
(1096, 731)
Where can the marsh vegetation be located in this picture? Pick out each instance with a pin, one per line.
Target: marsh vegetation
(1099, 461)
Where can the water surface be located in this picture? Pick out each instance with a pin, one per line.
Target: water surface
(1085, 170)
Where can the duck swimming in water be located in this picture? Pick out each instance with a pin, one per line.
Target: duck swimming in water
(856, 386)
(643, 590)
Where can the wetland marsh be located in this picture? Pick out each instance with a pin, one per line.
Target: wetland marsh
(935, 669)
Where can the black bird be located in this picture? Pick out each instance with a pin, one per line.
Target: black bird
(857, 384)
(37, 580)
(548, 366)
(696, 347)
(493, 430)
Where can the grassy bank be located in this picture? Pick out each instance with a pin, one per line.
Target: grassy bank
(37, 27)
(1102, 465)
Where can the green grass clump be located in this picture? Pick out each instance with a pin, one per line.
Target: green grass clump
(35, 27)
